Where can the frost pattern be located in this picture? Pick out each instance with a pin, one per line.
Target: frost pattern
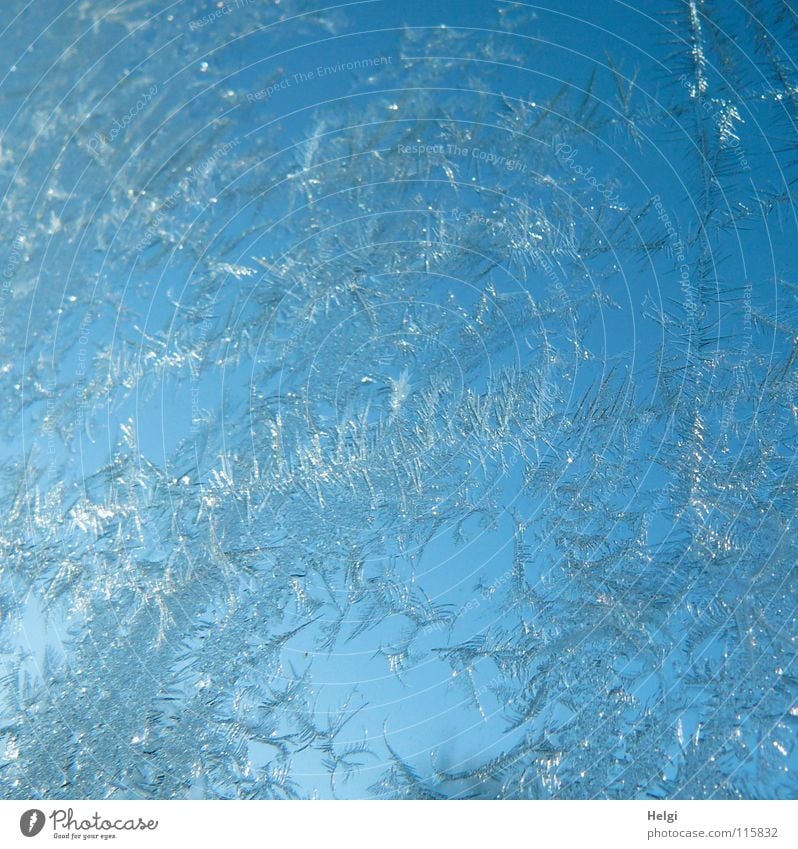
(426, 394)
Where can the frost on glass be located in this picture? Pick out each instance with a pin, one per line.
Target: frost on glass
(427, 435)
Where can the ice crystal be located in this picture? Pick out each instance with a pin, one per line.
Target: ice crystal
(412, 417)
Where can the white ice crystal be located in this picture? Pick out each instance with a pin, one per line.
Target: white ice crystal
(423, 405)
